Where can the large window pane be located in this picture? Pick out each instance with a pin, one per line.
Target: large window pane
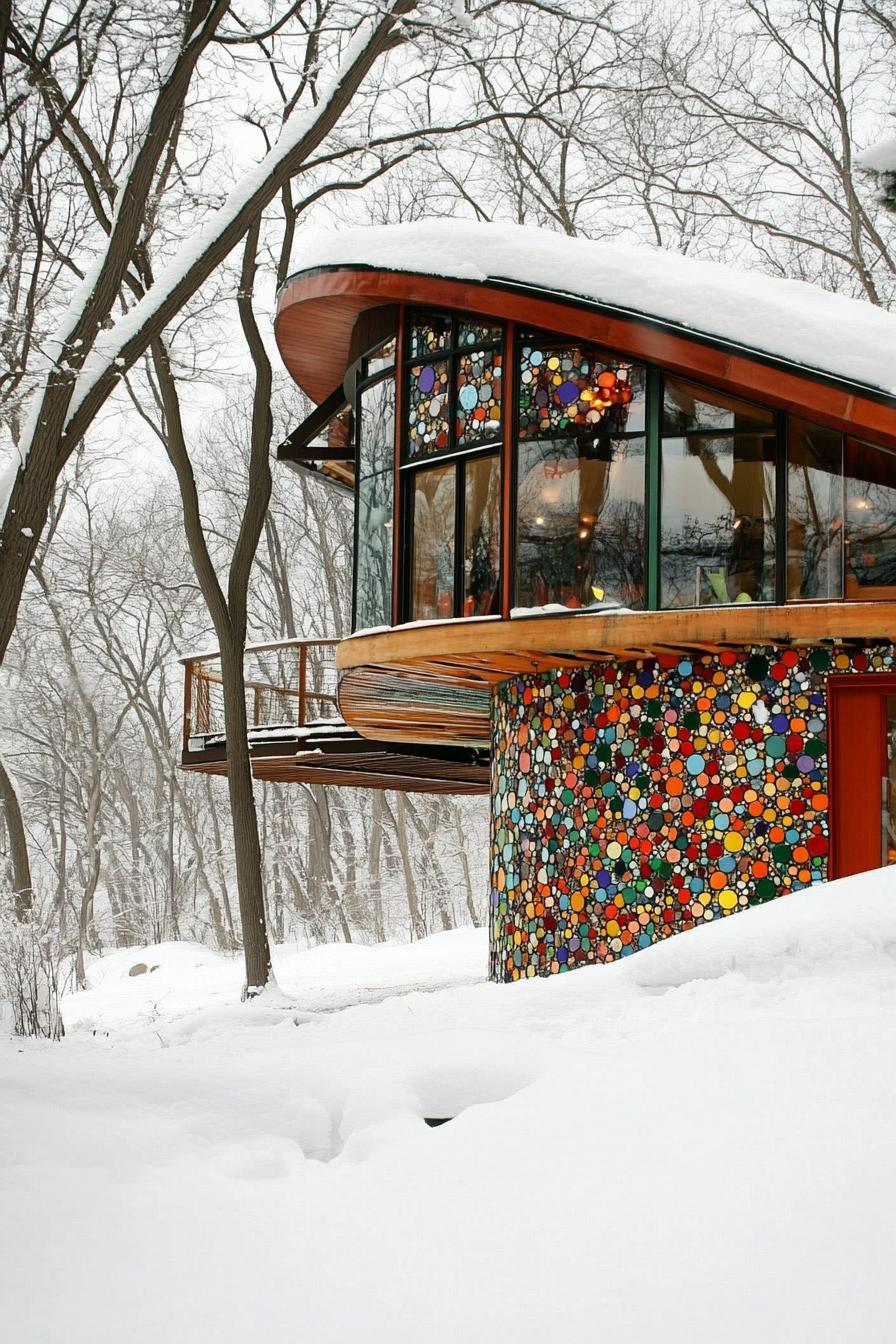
(870, 521)
(432, 549)
(376, 459)
(718, 519)
(580, 523)
(814, 511)
(482, 537)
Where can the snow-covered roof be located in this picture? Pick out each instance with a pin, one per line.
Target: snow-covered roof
(789, 320)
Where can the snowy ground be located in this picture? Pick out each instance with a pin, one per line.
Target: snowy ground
(694, 1144)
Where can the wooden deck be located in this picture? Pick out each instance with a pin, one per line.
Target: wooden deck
(297, 736)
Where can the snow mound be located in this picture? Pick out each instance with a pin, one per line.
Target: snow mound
(691, 1144)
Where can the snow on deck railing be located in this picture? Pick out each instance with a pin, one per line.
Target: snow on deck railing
(289, 684)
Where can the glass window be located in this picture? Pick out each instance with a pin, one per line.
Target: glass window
(482, 537)
(576, 388)
(454, 379)
(870, 491)
(814, 511)
(432, 548)
(688, 409)
(718, 499)
(376, 462)
(454, 385)
(580, 523)
(380, 359)
(580, 477)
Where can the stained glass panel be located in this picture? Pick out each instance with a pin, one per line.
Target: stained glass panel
(428, 428)
(430, 335)
(478, 397)
(571, 388)
(472, 333)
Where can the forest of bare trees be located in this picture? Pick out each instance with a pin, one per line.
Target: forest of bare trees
(158, 164)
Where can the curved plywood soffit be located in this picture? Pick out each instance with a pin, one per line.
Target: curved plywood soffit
(317, 312)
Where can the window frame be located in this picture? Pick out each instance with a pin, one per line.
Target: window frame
(504, 446)
(525, 336)
(409, 466)
(360, 381)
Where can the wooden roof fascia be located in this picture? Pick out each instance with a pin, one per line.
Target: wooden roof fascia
(317, 311)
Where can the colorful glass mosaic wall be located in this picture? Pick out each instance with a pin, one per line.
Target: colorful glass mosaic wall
(633, 801)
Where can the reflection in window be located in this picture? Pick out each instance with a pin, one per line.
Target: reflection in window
(690, 409)
(482, 537)
(814, 511)
(376, 456)
(870, 490)
(432, 553)
(380, 359)
(580, 523)
(718, 499)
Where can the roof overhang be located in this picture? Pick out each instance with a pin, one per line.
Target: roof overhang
(317, 311)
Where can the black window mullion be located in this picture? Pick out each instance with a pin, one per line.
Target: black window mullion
(781, 507)
(653, 463)
(460, 498)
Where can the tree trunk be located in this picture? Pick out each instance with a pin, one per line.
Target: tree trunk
(418, 928)
(247, 848)
(465, 864)
(18, 846)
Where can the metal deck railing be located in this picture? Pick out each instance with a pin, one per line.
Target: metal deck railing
(290, 686)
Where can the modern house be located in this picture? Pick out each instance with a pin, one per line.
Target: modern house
(625, 558)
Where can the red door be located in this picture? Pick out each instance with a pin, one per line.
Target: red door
(862, 772)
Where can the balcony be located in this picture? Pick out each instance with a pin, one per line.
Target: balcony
(297, 734)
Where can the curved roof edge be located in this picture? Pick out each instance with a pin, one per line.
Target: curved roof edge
(802, 326)
(318, 310)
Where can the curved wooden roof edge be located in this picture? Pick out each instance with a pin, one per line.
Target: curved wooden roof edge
(317, 310)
